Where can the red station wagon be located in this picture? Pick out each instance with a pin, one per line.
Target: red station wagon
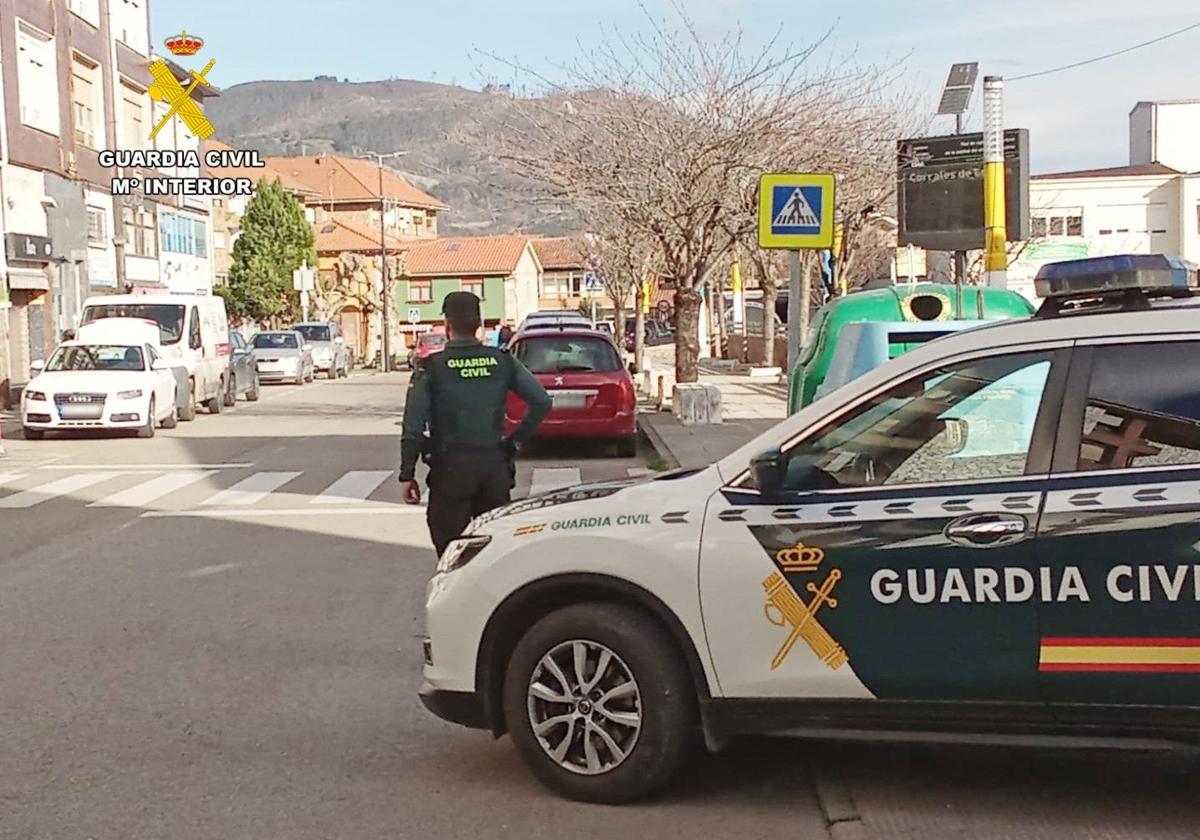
(592, 392)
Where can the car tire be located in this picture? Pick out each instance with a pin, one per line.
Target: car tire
(626, 447)
(252, 394)
(147, 431)
(332, 373)
(663, 705)
(33, 434)
(230, 392)
(215, 404)
(187, 413)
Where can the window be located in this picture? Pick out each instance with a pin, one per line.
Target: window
(474, 285)
(89, 10)
(37, 78)
(195, 341)
(134, 132)
(96, 357)
(139, 231)
(963, 423)
(555, 354)
(169, 317)
(273, 341)
(1058, 222)
(97, 227)
(183, 235)
(87, 101)
(312, 332)
(420, 291)
(1143, 408)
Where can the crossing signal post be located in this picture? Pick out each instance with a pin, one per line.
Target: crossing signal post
(796, 213)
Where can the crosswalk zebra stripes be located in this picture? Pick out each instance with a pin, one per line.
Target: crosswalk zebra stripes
(199, 489)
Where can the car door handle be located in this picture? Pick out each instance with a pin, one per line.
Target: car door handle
(987, 530)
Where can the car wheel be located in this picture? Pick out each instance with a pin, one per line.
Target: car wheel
(170, 421)
(627, 447)
(215, 404)
(332, 373)
(231, 392)
(252, 394)
(187, 412)
(147, 431)
(34, 434)
(599, 703)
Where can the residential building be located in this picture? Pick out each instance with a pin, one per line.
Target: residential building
(1150, 205)
(227, 212)
(564, 272)
(350, 283)
(347, 190)
(504, 271)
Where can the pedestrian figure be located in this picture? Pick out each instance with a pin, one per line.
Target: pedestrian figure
(454, 417)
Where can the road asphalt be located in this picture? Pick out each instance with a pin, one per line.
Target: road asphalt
(216, 634)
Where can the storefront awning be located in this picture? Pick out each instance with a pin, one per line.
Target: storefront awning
(28, 279)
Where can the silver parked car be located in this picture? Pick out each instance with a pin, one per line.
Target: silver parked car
(283, 356)
(330, 353)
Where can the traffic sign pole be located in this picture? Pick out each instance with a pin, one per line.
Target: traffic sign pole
(994, 222)
(797, 314)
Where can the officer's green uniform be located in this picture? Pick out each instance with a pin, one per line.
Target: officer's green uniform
(460, 394)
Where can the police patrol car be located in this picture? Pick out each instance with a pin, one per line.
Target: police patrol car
(997, 533)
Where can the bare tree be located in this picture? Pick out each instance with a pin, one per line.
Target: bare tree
(668, 131)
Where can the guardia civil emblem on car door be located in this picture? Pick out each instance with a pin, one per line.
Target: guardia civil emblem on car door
(786, 607)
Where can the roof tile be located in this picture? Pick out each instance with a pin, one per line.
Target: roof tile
(466, 255)
(348, 179)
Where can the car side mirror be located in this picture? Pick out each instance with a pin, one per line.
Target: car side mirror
(768, 468)
(339, 340)
(37, 365)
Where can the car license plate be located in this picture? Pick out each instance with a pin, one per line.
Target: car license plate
(80, 412)
(570, 399)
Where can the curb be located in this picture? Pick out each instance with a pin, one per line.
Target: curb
(842, 820)
(655, 440)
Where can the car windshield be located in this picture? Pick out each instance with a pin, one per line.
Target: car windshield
(96, 357)
(555, 354)
(314, 332)
(276, 341)
(168, 316)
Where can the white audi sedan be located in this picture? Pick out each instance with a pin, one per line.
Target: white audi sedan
(88, 385)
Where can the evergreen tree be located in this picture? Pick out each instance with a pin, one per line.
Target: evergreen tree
(275, 239)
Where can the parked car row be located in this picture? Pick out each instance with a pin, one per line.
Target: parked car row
(141, 362)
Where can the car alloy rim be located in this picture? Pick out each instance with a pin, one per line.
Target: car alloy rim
(585, 707)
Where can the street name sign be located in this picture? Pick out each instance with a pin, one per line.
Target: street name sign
(796, 210)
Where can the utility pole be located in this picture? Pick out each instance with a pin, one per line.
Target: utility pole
(797, 311)
(386, 362)
(994, 222)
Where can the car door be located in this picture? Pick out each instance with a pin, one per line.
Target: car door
(897, 562)
(1123, 515)
(163, 379)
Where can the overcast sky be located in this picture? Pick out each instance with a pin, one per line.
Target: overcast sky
(1077, 118)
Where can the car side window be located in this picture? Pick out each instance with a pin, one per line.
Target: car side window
(194, 341)
(1143, 407)
(964, 422)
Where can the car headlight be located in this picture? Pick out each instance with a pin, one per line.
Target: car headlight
(461, 552)
(129, 395)
(35, 396)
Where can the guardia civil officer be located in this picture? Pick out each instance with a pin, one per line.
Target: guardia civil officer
(459, 396)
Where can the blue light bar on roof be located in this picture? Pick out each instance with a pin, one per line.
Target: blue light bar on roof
(1109, 274)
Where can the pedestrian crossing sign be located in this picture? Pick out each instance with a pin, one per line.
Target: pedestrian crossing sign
(795, 210)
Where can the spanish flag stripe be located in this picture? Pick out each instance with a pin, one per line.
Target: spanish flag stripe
(1127, 667)
(1121, 654)
(1119, 641)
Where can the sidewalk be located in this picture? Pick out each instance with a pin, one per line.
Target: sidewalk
(748, 407)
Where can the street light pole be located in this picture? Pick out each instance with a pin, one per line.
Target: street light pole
(386, 362)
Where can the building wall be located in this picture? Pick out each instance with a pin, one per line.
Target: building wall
(400, 221)
(525, 283)
(1126, 215)
(492, 306)
(1189, 217)
(1166, 133)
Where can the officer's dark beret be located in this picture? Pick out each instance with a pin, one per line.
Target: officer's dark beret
(460, 305)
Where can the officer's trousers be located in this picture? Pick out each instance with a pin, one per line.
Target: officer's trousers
(464, 483)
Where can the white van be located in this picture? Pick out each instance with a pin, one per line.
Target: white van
(193, 335)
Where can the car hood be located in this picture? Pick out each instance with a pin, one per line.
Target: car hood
(654, 494)
(90, 381)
